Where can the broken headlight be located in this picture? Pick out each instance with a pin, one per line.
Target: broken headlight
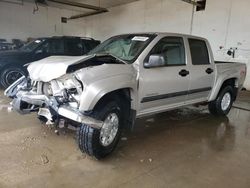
(65, 89)
(47, 89)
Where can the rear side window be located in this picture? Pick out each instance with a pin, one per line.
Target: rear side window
(199, 52)
(73, 47)
(56, 47)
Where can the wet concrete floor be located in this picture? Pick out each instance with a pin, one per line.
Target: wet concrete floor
(177, 149)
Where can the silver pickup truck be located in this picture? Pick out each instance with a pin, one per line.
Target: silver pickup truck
(124, 78)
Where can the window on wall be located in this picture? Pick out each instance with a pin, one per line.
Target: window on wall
(202, 5)
(199, 52)
(172, 49)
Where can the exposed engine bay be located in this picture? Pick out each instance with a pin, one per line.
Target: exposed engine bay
(55, 96)
(52, 100)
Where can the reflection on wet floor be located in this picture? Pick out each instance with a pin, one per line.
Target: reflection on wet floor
(180, 148)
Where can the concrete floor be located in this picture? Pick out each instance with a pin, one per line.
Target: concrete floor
(177, 149)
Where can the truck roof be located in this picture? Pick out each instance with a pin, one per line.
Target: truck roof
(165, 33)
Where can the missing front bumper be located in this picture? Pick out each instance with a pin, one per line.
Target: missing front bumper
(49, 108)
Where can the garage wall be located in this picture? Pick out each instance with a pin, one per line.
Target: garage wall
(140, 16)
(225, 23)
(17, 21)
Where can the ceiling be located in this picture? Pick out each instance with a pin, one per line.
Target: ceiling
(104, 3)
(97, 3)
(83, 7)
(87, 7)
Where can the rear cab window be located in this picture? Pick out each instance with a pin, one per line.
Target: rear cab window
(199, 52)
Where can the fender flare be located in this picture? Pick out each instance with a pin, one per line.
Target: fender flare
(219, 84)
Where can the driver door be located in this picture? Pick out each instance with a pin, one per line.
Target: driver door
(165, 87)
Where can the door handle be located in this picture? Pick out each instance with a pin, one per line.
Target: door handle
(183, 73)
(209, 71)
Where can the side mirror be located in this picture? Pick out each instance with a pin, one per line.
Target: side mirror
(155, 61)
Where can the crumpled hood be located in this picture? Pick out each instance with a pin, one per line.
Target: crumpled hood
(56, 66)
(52, 67)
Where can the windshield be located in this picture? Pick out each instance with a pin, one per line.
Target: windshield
(32, 45)
(125, 47)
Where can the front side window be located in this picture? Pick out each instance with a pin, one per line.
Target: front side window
(125, 47)
(171, 49)
(32, 45)
(52, 47)
(199, 52)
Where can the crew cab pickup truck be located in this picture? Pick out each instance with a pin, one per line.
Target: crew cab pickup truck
(124, 78)
(12, 62)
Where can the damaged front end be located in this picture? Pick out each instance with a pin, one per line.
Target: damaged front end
(53, 101)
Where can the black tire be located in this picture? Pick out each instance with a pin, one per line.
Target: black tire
(10, 75)
(88, 138)
(215, 107)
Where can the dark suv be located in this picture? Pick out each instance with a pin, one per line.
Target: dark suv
(12, 62)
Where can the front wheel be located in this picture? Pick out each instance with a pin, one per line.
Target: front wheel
(101, 142)
(223, 103)
(10, 75)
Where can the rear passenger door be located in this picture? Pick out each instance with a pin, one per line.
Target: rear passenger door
(201, 71)
(165, 86)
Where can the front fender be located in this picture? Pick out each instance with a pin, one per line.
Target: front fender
(94, 92)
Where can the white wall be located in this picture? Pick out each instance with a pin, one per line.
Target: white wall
(141, 16)
(18, 21)
(225, 22)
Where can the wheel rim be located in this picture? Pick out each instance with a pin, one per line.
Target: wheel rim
(225, 102)
(109, 129)
(12, 76)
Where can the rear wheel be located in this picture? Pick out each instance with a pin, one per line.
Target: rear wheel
(101, 142)
(9, 75)
(223, 103)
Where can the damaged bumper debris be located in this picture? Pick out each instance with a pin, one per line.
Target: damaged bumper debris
(26, 100)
